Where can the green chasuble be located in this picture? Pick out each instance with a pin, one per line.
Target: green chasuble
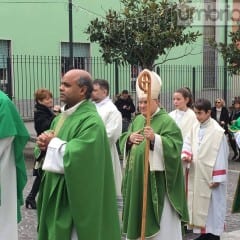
(84, 196)
(160, 183)
(11, 125)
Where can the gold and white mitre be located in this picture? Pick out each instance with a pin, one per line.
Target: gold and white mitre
(156, 84)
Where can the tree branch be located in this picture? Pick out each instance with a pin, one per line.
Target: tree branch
(175, 58)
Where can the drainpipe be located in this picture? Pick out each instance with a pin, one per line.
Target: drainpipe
(71, 65)
(225, 61)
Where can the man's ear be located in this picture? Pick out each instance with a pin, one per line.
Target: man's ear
(83, 90)
(105, 92)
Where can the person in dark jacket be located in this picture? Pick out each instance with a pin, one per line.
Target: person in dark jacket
(125, 105)
(44, 113)
(220, 113)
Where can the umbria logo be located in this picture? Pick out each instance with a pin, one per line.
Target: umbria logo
(202, 13)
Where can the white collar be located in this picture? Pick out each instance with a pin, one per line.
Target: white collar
(105, 100)
(71, 110)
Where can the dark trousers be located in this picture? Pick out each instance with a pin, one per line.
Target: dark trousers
(35, 186)
(208, 236)
(233, 144)
(125, 124)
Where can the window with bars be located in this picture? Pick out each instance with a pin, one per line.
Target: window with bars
(4, 53)
(81, 54)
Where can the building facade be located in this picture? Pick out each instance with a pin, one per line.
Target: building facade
(34, 49)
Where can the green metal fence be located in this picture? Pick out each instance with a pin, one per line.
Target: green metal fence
(21, 75)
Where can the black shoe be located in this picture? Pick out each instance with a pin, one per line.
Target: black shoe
(212, 237)
(235, 156)
(186, 230)
(207, 236)
(237, 159)
(30, 203)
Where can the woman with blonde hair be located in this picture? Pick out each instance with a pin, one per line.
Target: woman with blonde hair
(220, 113)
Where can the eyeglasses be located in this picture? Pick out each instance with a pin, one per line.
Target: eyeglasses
(217, 102)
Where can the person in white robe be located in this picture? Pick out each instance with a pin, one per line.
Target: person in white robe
(112, 119)
(13, 177)
(206, 150)
(185, 117)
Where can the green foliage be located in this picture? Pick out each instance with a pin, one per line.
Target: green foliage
(230, 52)
(142, 31)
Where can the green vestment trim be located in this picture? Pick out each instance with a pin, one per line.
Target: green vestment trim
(11, 125)
(160, 183)
(84, 196)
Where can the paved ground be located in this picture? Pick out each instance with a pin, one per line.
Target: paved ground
(28, 226)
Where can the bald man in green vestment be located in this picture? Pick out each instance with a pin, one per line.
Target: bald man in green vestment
(166, 201)
(77, 198)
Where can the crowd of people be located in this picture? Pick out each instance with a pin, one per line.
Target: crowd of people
(78, 176)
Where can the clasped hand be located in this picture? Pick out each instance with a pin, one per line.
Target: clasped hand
(138, 137)
(44, 139)
(187, 159)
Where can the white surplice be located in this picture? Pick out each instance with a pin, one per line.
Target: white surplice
(112, 119)
(8, 184)
(184, 120)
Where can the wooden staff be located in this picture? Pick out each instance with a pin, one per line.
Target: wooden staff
(144, 83)
(186, 179)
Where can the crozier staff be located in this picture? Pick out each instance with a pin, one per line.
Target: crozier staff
(144, 83)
